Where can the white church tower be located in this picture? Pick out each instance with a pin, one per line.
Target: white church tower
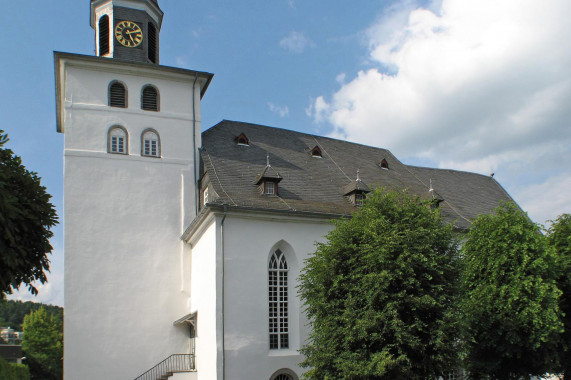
(132, 132)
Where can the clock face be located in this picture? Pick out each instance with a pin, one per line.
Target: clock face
(128, 33)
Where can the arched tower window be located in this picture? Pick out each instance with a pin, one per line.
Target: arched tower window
(117, 94)
(278, 301)
(150, 143)
(117, 140)
(152, 44)
(104, 35)
(150, 98)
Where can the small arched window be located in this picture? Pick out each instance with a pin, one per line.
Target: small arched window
(384, 164)
(150, 143)
(284, 374)
(117, 94)
(104, 35)
(152, 46)
(150, 98)
(278, 301)
(117, 140)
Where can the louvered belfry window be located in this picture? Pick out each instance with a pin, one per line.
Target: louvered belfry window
(117, 95)
(278, 301)
(150, 99)
(152, 44)
(104, 35)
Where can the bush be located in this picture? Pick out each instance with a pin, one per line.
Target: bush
(10, 371)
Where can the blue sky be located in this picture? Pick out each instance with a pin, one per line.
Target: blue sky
(481, 86)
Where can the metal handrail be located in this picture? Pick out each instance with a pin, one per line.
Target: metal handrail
(174, 363)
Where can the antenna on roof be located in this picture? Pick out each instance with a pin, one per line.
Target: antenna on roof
(431, 189)
(268, 159)
(358, 179)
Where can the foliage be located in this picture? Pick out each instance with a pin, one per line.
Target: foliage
(380, 293)
(12, 313)
(509, 299)
(559, 236)
(11, 371)
(43, 344)
(26, 216)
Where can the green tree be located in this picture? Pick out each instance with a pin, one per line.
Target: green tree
(560, 239)
(11, 371)
(43, 344)
(509, 300)
(26, 216)
(380, 293)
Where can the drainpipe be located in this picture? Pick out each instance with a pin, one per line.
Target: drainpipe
(222, 311)
(195, 156)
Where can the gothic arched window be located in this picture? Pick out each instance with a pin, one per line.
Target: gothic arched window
(150, 143)
(117, 140)
(278, 301)
(150, 98)
(117, 94)
(104, 35)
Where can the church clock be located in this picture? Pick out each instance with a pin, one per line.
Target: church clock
(128, 33)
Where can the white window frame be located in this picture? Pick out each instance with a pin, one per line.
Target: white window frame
(205, 196)
(270, 188)
(150, 143)
(117, 140)
(278, 299)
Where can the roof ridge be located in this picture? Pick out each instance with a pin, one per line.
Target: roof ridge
(301, 133)
(450, 170)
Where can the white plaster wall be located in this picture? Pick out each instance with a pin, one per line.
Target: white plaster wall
(249, 243)
(126, 270)
(203, 302)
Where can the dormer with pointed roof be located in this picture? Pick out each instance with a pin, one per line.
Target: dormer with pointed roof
(268, 179)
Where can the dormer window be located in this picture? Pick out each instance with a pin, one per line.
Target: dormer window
(316, 152)
(268, 180)
(242, 140)
(356, 191)
(205, 196)
(384, 164)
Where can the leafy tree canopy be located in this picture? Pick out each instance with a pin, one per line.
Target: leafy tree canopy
(380, 293)
(510, 299)
(26, 216)
(12, 313)
(43, 344)
(560, 239)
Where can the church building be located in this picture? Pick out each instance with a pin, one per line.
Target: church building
(183, 248)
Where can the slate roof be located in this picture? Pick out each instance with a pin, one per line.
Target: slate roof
(316, 185)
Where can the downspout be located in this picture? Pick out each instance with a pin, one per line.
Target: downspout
(195, 156)
(222, 311)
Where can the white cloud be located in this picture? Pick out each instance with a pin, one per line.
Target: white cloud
(295, 42)
(478, 85)
(340, 78)
(50, 293)
(545, 201)
(283, 111)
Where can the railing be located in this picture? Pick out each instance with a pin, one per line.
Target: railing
(174, 363)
